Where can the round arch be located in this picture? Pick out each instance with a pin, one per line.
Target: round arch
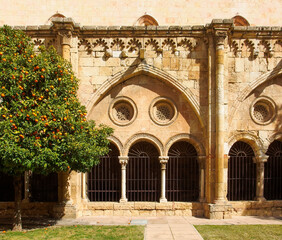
(114, 140)
(143, 137)
(144, 69)
(187, 138)
(251, 139)
(240, 21)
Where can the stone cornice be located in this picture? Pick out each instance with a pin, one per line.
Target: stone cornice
(196, 31)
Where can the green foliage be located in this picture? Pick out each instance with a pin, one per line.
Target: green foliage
(42, 123)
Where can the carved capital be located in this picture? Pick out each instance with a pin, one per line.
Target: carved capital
(163, 159)
(123, 160)
(261, 158)
(220, 37)
(65, 36)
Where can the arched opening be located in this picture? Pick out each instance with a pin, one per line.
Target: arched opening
(182, 182)
(143, 173)
(146, 20)
(43, 188)
(104, 179)
(240, 21)
(273, 172)
(241, 172)
(7, 189)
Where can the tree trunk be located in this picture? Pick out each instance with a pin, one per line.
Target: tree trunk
(17, 220)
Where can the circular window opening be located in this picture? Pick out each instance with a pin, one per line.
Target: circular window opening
(122, 111)
(263, 110)
(163, 111)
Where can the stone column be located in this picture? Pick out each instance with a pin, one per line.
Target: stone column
(220, 192)
(163, 162)
(123, 160)
(202, 164)
(260, 177)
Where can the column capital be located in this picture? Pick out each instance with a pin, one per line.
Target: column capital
(261, 158)
(163, 159)
(123, 160)
(202, 160)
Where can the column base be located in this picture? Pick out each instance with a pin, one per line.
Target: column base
(123, 200)
(219, 211)
(65, 211)
(260, 199)
(163, 200)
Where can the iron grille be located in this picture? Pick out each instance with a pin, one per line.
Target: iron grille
(182, 182)
(43, 188)
(104, 180)
(241, 173)
(273, 172)
(143, 173)
(7, 190)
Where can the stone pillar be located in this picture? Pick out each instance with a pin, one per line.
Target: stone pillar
(123, 160)
(220, 192)
(260, 177)
(202, 160)
(163, 162)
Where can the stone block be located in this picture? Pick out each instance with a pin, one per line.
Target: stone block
(118, 212)
(166, 63)
(178, 213)
(167, 205)
(182, 205)
(99, 62)
(169, 213)
(106, 71)
(97, 213)
(187, 212)
(174, 63)
(86, 62)
(102, 206)
(144, 205)
(194, 75)
(134, 213)
(124, 206)
(108, 212)
(239, 64)
(147, 213)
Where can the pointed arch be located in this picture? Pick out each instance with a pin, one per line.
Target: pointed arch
(240, 21)
(276, 72)
(144, 69)
(146, 20)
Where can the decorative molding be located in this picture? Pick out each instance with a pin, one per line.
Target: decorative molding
(253, 140)
(143, 137)
(170, 43)
(134, 45)
(188, 138)
(116, 142)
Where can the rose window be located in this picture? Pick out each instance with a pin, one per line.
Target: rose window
(122, 111)
(263, 110)
(163, 111)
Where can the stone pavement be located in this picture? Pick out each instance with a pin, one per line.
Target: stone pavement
(169, 227)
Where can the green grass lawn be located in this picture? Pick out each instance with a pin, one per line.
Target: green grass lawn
(79, 232)
(240, 232)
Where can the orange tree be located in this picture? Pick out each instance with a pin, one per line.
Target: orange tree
(43, 128)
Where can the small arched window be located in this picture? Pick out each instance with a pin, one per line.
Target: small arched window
(146, 20)
(240, 21)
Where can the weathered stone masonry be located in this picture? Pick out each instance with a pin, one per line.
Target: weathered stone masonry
(212, 77)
